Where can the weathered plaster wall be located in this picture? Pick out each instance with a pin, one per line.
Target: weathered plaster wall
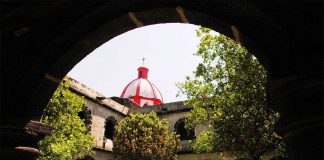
(99, 115)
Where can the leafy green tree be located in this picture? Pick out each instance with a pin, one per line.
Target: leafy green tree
(227, 91)
(145, 137)
(70, 139)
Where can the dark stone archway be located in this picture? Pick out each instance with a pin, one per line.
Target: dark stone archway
(109, 127)
(180, 129)
(42, 41)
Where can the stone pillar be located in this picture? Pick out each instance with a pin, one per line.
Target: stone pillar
(300, 102)
(21, 142)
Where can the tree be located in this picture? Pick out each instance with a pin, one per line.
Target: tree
(70, 139)
(228, 92)
(145, 137)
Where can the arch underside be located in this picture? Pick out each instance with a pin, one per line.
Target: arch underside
(125, 21)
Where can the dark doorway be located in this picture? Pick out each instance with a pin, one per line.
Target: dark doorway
(182, 131)
(110, 127)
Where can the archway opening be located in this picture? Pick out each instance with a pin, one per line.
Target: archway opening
(166, 63)
(110, 127)
(185, 134)
(108, 30)
(238, 14)
(82, 115)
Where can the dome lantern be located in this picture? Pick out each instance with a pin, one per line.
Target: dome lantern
(142, 72)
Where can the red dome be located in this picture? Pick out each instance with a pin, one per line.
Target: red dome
(142, 91)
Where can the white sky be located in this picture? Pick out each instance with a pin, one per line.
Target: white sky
(167, 48)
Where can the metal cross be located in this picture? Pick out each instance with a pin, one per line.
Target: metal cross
(143, 59)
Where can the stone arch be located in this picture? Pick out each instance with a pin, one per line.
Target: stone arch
(132, 20)
(293, 86)
(86, 115)
(101, 33)
(85, 40)
(180, 129)
(109, 127)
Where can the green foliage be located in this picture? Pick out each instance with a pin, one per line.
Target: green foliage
(205, 142)
(228, 92)
(70, 139)
(145, 137)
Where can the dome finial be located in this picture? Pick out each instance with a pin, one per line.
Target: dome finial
(143, 59)
(142, 70)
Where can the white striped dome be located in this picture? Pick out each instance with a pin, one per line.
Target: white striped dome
(142, 91)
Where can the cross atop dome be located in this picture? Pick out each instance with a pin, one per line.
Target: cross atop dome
(142, 71)
(143, 59)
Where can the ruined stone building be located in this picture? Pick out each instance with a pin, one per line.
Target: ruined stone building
(101, 114)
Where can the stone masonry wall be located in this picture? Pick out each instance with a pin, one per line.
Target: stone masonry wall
(99, 115)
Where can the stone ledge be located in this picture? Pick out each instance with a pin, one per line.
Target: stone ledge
(96, 97)
(28, 150)
(38, 129)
